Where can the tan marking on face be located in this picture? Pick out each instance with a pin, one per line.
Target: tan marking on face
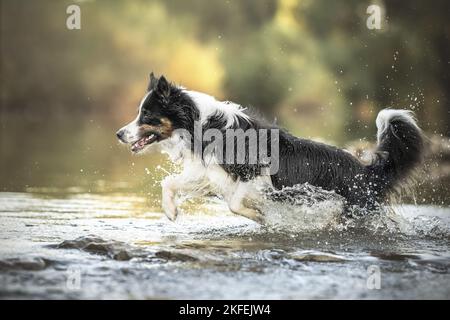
(164, 130)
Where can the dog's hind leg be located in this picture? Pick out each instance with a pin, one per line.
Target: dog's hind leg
(238, 205)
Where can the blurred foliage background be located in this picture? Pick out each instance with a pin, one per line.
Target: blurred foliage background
(311, 65)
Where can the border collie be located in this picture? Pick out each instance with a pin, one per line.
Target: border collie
(168, 114)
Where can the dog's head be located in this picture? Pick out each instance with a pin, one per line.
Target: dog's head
(154, 121)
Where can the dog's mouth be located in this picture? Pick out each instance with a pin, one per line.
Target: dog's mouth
(143, 142)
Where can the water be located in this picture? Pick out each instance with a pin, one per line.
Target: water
(81, 219)
(120, 249)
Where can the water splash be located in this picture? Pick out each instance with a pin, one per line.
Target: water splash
(306, 208)
(302, 208)
(426, 222)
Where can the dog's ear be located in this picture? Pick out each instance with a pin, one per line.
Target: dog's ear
(153, 82)
(163, 87)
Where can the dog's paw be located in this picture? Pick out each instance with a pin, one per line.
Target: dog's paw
(172, 215)
(261, 219)
(250, 213)
(258, 217)
(170, 209)
(253, 214)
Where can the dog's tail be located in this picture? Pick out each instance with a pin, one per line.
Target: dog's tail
(400, 150)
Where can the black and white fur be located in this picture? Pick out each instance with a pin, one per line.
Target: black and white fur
(167, 107)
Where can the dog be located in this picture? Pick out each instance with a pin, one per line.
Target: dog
(168, 115)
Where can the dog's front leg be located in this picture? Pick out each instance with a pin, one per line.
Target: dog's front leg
(189, 181)
(169, 190)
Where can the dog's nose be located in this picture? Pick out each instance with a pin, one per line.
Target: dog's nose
(119, 135)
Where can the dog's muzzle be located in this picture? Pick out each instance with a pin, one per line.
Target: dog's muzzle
(120, 135)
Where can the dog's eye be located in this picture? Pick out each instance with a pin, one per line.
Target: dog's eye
(152, 121)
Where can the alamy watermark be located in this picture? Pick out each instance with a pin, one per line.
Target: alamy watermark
(73, 279)
(374, 19)
(373, 277)
(235, 146)
(73, 21)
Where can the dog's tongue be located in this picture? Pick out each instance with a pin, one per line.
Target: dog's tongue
(140, 144)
